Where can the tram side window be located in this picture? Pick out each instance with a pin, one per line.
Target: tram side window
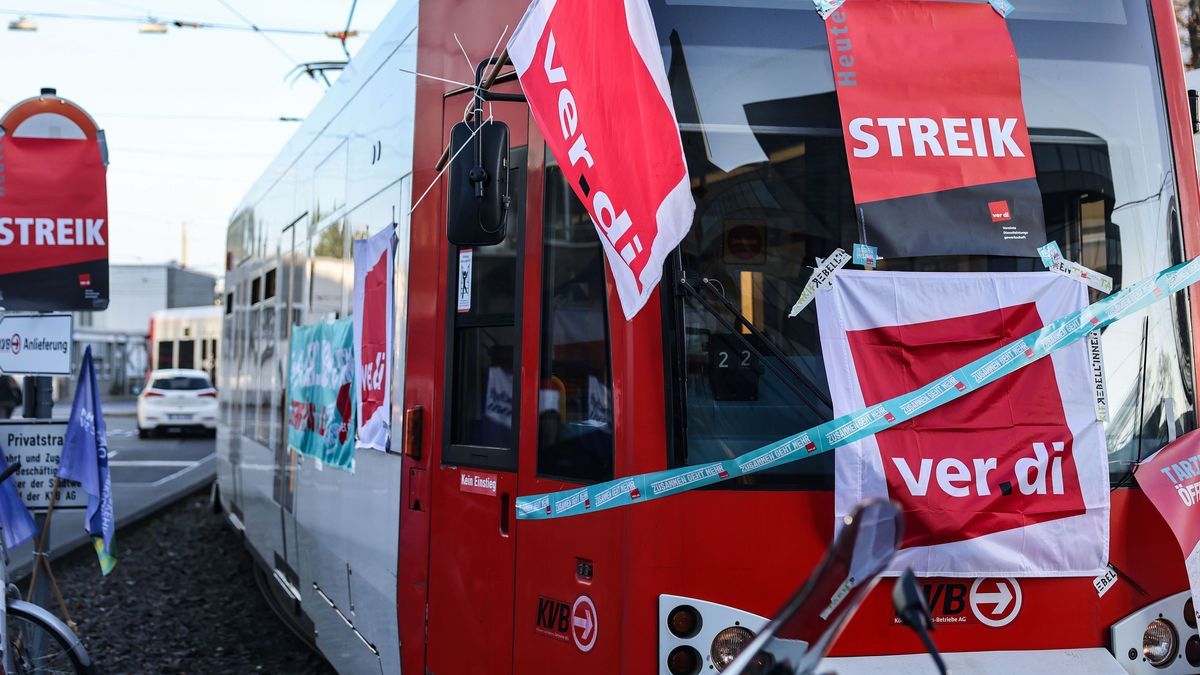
(575, 429)
(484, 310)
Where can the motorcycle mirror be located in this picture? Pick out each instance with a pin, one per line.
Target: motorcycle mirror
(913, 611)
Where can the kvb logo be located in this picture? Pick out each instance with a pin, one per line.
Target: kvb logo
(553, 618)
(1000, 211)
(999, 459)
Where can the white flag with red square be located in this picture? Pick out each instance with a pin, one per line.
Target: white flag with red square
(1011, 480)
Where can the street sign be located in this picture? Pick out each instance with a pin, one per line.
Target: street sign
(35, 344)
(38, 447)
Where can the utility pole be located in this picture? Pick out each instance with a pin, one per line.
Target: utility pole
(185, 243)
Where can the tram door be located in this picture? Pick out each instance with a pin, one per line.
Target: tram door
(473, 529)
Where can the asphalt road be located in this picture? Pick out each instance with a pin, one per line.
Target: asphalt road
(146, 475)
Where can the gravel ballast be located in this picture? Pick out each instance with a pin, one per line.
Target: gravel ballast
(182, 599)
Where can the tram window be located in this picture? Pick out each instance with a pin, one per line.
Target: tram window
(187, 354)
(575, 431)
(483, 397)
(166, 354)
(483, 333)
(761, 131)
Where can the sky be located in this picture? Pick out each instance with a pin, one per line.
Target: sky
(191, 117)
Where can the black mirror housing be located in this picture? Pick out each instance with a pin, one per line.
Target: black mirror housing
(478, 202)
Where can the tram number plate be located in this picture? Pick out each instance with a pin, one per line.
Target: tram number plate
(733, 368)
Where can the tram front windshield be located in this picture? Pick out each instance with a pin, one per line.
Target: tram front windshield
(753, 91)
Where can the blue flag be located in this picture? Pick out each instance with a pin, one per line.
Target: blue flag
(18, 523)
(85, 460)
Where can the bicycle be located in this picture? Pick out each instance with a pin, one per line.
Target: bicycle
(32, 639)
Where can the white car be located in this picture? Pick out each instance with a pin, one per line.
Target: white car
(177, 399)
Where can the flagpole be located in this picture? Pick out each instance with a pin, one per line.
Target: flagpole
(40, 559)
(39, 551)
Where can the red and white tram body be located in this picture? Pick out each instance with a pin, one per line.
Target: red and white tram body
(416, 561)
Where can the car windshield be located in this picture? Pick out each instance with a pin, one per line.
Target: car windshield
(754, 95)
(180, 383)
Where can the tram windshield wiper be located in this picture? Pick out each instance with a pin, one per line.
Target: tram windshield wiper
(800, 384)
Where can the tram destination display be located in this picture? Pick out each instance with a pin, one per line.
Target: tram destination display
(38, 447)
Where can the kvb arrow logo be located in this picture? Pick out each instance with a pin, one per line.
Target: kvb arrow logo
(996, 602)
(584, 623)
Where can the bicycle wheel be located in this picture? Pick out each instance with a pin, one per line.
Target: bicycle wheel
(41, 644)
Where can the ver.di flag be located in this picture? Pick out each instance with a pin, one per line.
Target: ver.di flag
(85, 460)
(939, 154)
(594, 77)
(1009, 481)
(373, 334)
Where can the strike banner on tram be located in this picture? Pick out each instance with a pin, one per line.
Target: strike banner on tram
(594, 77)
(320, 415)
(373, 334)
(1010, 481)
(1171, 479)
(934, 127)
(53, 224)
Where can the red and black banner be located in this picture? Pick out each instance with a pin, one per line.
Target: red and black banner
(938, 149)
(53, 225)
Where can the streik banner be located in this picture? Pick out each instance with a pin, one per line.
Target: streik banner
(594, 77)
(53, 225)
(320, 392)
(373, 295)
(939, 153)
(1011, 481)
(1171, 479)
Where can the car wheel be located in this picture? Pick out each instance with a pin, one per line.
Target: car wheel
(143, 433)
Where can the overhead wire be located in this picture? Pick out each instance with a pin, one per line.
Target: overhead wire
(346, 30)
(179, 23)
(294, 61)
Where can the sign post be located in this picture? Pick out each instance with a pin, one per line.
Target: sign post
(36, 344)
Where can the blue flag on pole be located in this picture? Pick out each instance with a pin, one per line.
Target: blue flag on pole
(18, 522)
(85, 460)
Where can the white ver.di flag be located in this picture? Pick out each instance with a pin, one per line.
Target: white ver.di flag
(373, 335)
(1010, 480)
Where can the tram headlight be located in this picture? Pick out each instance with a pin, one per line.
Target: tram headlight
(1160, 643)
(728, 644)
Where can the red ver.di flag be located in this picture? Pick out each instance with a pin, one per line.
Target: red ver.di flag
(1171, 479)
(373, 295)
(594, 77)
(1010, 480)
(53, 224)
(939, 153)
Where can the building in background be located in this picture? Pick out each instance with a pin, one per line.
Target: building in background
(120, 336)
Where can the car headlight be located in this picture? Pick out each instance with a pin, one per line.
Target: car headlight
(1160, 643)
(728, 644)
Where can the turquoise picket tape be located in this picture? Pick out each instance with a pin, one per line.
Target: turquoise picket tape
(873, 419)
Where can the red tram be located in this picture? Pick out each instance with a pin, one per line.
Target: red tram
(416, 562)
